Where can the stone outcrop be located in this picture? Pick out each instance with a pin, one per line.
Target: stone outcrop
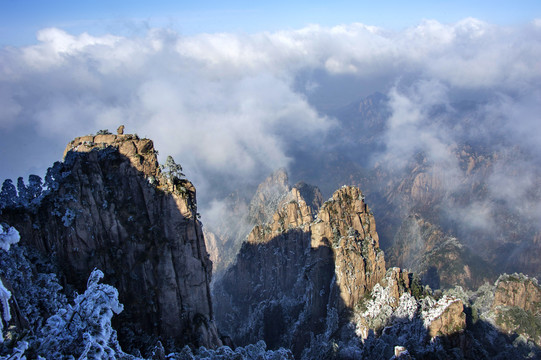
(449, 319)
(111, 206)
(518, 290)
(346, 222)
(226, 232)
(516, 306)
(399, 309)
(296, 273)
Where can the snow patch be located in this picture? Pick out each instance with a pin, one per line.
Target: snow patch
(8, 237)
(432, 309)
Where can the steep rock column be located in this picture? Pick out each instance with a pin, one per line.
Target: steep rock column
(297, 274)
(113, 208)
(348, 225)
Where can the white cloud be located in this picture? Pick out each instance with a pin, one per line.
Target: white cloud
(227, 104)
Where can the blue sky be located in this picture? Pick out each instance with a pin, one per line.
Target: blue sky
(20, 19)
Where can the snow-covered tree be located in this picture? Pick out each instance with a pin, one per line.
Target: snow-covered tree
(8, 237)
(8, 195)
(84, 329)
(34, 188)
(53, 176)
(22, 191)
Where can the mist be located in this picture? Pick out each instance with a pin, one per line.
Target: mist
(231, 108)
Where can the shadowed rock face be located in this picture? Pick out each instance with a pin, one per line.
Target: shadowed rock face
(112, 208)
(298, 272)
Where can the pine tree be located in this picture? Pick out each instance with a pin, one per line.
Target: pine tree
(22, 191)
(34, 188)
(84, 330)
(8, 195)
(172, 169)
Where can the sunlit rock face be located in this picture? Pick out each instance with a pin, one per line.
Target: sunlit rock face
(516, 306)
(298, 272)
(112, 207)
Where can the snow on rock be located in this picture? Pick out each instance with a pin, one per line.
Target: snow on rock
(443, 317)
(381, 309)
(386, 304)
(8, 237)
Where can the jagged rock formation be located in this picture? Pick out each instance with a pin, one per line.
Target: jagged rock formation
(270, 193)
(346, 221)
(110, 206)
(225, 237)
(296, 273)
(398, 302)
(438, 258)
(226, 234)
(321, 288)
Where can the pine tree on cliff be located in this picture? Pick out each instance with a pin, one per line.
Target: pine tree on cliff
(171, 169)
(8, 195)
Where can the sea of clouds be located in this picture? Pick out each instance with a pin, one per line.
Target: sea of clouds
(229, 107)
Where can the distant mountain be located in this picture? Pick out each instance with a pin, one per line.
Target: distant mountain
(319, 285)
(310, 275)
(482, 188)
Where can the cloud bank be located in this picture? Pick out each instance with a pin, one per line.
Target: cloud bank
(229, 106)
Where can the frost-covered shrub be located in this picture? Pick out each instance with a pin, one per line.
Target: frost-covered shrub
(376, 312)
(8, 237)
(34, 283)
(256, 351)
(5, 316)
(53, 176)
(23, 195)
(68, 217)
(84, 329)
(8, 194)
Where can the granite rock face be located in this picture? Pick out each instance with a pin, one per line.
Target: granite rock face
(113, 207)
(346, 221)
(517, 305)
(240, 213)
(270, 193)
(450, 320)
(518, 290)
(298, 272)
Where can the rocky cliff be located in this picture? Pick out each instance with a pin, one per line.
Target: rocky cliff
(516, 307)
(237, 216)
(298, 272)
(111, 206)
